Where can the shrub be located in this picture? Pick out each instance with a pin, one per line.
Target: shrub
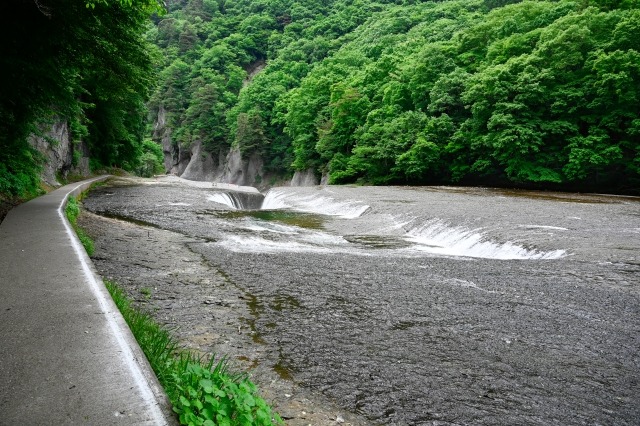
(72, 210)
(202, 392)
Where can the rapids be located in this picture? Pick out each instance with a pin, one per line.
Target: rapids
(425, 306)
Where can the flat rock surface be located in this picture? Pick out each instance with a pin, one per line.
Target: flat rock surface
(407, 306)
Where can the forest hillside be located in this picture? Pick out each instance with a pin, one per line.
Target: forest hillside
(76, 76)
(541, 94)
(534, 93)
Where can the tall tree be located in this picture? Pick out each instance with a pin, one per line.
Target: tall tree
(85, 62)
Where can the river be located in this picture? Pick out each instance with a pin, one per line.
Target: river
(414, 305)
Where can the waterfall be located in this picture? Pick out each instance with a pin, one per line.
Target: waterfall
(437, 237)
(434, 236)
(238, 200)
(223, 198)
(314, 203)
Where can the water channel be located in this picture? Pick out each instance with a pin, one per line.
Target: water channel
(429, 305)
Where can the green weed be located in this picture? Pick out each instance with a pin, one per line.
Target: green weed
(202, 391)
(146, 292)
(72, 210)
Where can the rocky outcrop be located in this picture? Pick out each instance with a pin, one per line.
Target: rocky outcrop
(55, 145)
(240, 171)
(195, 163)
(176, 159)
(254, 69)
(305, 178)
(162, 135)
(201, 165)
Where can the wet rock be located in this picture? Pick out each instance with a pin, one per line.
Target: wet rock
(305, 178)
(401, 336)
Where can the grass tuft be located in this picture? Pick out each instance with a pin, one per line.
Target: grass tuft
(72, 210)
(202, 391)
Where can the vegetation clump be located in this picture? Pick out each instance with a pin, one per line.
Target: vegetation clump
(72, 211)
(531, 93)
(202, 392)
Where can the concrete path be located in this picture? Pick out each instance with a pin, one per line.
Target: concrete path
(66, 355)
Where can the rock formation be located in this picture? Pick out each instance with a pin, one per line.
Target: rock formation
(305, 178)
(61, 155)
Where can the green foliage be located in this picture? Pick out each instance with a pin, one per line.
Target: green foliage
(151, 160)
(149, 6)
(202, 392)
(72, 211)
(86, 63)
(502, 92)
(531, 93)
(19, 171)
(212, 397)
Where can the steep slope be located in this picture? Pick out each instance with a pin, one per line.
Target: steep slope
(536, 93)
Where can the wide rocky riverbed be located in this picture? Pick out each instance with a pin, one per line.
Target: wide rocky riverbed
(389, 305)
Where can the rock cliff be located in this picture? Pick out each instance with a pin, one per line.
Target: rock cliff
(201, 164)
(242, 171)
(61, 155)
(305, 178)
(196, 163)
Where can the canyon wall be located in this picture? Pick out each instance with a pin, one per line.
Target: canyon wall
(61, 155)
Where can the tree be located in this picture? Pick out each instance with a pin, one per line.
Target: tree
(81, 61)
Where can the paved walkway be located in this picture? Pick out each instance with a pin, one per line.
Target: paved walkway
(66, 355)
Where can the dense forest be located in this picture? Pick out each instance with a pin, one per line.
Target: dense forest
(85, 63)
(494, 92)
(534, 93)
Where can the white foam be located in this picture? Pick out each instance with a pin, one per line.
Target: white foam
(274, 200)
(556, 228)
(437, 237)
(222, 198)
(263, 226)
(267, 236)
(315, 203)
(258, 244)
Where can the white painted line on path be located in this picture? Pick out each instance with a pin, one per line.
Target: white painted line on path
(126, 354)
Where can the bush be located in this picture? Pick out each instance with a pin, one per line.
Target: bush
(202, 392)
(72, 210)
(212, 397)
(151, 160)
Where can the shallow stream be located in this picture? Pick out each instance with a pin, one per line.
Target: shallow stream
(424, 306)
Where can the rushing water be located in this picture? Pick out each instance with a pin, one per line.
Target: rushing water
(433, 236)
(417, 306)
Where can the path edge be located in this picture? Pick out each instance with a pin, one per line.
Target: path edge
(153, 393)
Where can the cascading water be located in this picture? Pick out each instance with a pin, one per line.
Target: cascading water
(434, 236)
(238, 200)
(437, 237)
(223, 198)
(313, 204)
